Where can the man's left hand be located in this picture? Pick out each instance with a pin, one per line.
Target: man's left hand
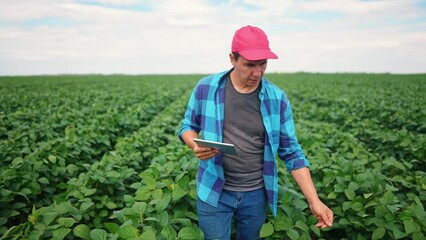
(323, 214)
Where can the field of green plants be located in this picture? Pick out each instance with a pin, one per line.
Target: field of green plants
(97, 157)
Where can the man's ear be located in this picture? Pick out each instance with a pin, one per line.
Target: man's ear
(232, 59)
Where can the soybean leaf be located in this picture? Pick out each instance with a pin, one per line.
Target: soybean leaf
(111, 205)
(66, 222)
(302, 226)
(127, 232)
(378, 233)
(86, 205)
(52, 159)
(418, 236)
(410, 226)
(148, 235)
(162, 204)
(292, 234)
(283, 223)
(350, 194)
(60, 233)
(178, 193)
(98, 234)
(266, 230)
(139, 207)
(300, 204)
(143, 194)
(332, 195)
(169, 233)
(190, 233)
(398, 233)
(286, 198)
(357, 206)
(82, 231)
(112, 227)
(49, 217)
(43, 180)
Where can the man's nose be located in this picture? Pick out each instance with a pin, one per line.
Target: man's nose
(258, 71)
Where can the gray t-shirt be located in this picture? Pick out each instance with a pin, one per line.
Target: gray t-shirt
(243, 127)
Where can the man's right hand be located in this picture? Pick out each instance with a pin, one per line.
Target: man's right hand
(202, 153)
(205, 153)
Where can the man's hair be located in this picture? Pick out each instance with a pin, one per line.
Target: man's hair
(236, 55)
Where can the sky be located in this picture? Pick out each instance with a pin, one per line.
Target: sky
(194, 36)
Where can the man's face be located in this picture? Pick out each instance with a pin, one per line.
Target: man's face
(248, 73)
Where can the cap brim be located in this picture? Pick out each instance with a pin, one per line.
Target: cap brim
(258, 54)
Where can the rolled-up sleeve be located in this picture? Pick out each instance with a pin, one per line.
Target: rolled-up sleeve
(289, 149)
(191, 120)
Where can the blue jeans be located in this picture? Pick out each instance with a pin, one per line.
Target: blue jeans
(247, 208)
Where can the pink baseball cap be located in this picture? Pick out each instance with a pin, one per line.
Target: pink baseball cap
(252, 43)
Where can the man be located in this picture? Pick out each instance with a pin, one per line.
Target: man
(241, 107)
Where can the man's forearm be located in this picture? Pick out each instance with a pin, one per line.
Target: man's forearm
(304, 180)
(188, 137)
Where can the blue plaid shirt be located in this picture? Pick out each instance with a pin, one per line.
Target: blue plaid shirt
(205, 114)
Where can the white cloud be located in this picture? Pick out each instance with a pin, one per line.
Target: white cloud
(120, 2)
(184, 36)
(355, 7)
(347, 6)
(17, 11)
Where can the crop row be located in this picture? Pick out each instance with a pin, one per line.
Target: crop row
(114, 183)
(388, 101)
(384, 114)
(362, 138)
(370, 128)
(370, 195)
(40, 173)
(103, 115)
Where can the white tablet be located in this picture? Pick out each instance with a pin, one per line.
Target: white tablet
(225, 148)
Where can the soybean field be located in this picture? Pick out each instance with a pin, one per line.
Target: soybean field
(97, 157)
